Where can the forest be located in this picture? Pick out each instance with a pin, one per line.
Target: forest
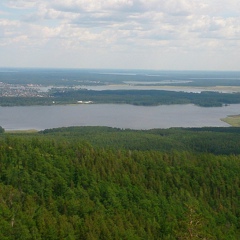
(148, 97)
(109, 183)
(134, 97)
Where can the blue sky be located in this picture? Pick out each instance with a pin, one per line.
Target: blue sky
(126, 34)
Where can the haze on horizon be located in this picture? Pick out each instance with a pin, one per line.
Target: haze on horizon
(126, 34)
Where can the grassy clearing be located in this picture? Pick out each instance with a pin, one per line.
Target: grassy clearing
(233, 120)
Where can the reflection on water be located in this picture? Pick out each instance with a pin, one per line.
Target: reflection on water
(136, 83)
(114, 115)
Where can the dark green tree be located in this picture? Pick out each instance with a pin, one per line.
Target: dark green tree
(2, 130)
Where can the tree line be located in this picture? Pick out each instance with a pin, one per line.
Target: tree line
(134, 97)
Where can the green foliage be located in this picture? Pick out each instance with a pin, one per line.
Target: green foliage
(2, 130)
(211, 140)
(60, 189)
(147, 97)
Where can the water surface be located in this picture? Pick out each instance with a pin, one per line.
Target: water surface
(114, 115)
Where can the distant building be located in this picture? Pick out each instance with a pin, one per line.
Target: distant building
(84, 102)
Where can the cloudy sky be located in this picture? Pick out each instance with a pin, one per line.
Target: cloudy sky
(138, 34)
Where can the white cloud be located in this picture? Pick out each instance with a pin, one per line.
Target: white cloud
(122, 25)
(21, 4)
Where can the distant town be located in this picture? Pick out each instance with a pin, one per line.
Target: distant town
(19, 90)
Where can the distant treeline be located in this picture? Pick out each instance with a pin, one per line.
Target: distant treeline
(25, 101)
(210, 139)
(135, 97)
(149, 97)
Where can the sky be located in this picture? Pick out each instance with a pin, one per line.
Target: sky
(121, 34)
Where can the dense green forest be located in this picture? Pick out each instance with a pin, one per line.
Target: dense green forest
(220, 140)
(148, 97)
(106, 183)
(135, 97)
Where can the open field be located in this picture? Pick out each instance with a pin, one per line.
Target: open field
(233, 120)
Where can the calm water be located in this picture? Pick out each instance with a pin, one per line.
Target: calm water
(114, 115)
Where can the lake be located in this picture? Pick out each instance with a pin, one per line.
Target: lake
(114, 115)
